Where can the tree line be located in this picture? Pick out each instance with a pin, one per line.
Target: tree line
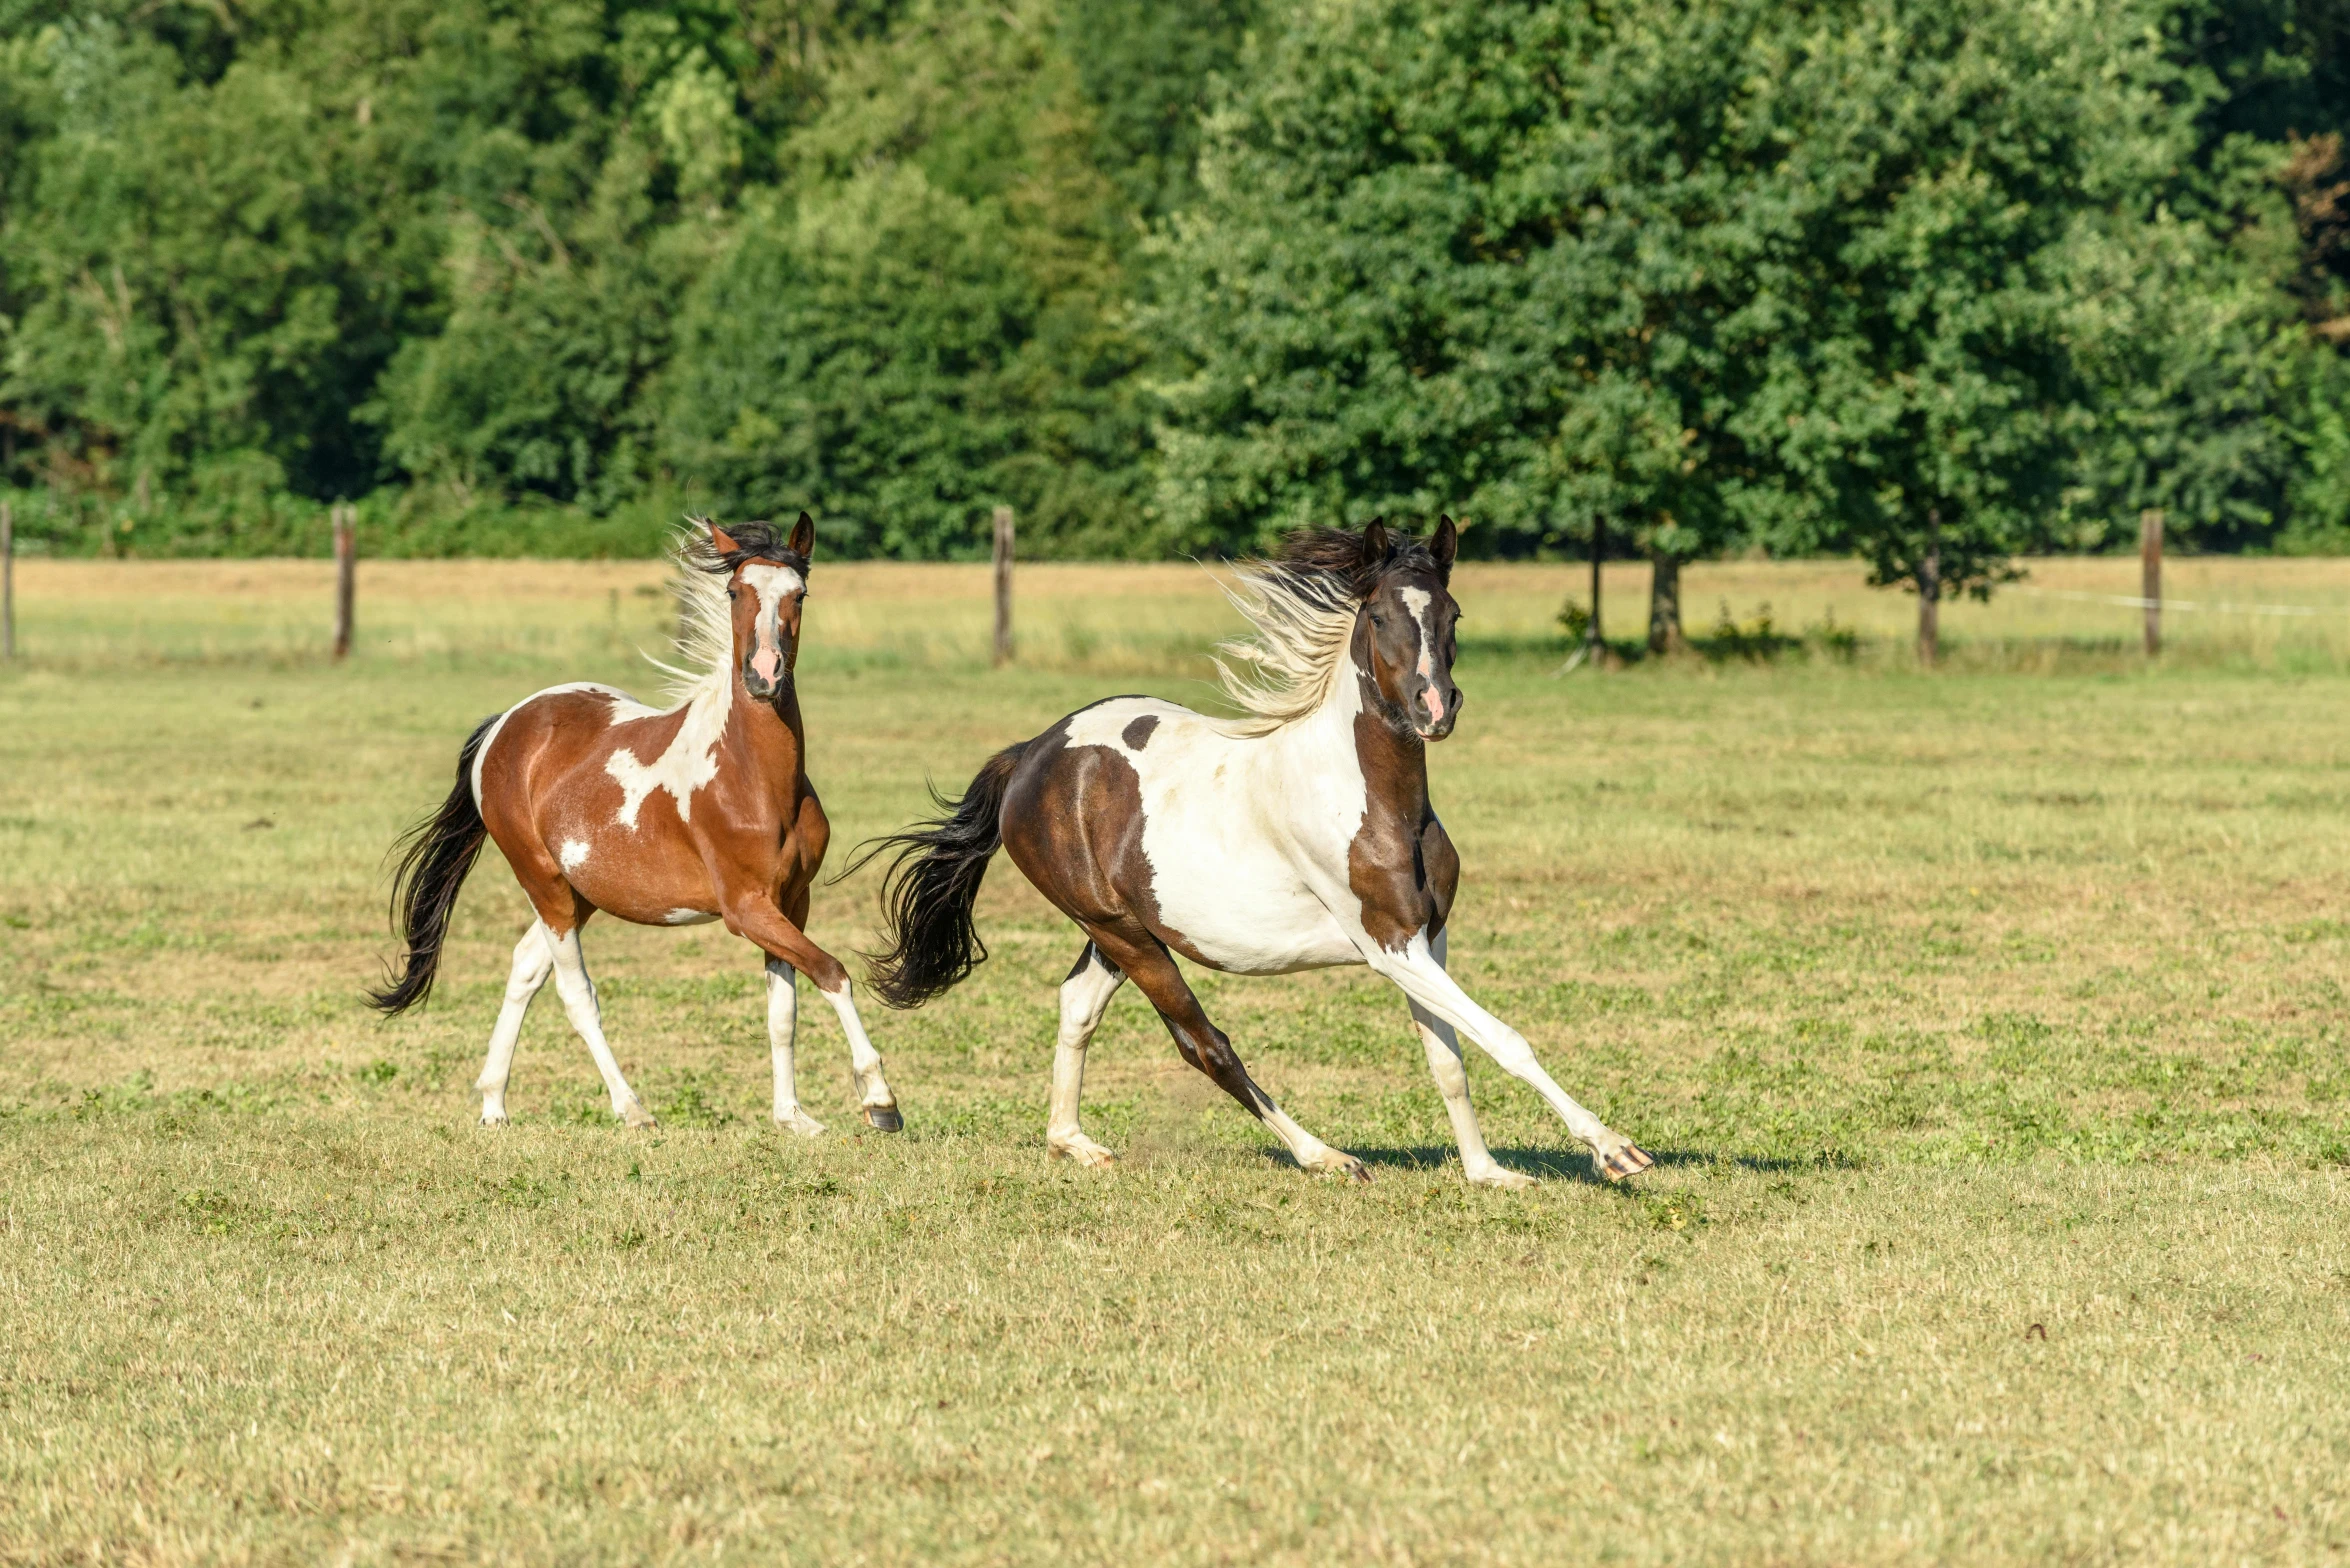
(1935, 282)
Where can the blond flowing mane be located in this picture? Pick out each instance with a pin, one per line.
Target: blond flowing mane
(1300, 624)
(704, 644)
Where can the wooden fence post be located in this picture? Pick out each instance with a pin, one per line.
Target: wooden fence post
(346, 570)
(2150, 575)
(1003, 586)
(1594, 644)
(7, 580)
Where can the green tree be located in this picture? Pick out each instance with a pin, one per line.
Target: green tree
(1485, 259)
(1921, 392)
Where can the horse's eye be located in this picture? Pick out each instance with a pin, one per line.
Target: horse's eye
(733, 594)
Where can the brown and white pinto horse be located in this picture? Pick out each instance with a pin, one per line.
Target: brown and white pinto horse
(1298, 837)
(667, 818)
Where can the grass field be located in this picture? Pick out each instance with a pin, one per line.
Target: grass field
(1990, 1028)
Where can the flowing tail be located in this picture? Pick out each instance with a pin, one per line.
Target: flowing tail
(932, 882)
(434, 856)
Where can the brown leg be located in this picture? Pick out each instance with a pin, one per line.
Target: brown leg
(1146, 962)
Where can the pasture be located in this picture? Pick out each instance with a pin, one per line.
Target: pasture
(1989, 1028)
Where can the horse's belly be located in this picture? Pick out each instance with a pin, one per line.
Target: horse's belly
(612, 871)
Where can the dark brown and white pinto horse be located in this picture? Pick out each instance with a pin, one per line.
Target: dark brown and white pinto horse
(1298, 837)
(667, 818)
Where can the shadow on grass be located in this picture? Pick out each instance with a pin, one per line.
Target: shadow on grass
(1556, 1164)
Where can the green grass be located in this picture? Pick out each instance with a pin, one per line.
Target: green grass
(1990, 1028)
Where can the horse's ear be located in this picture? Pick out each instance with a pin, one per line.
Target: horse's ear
(720, 540)
(1375, 541)
(803, 538)
(1444, 547)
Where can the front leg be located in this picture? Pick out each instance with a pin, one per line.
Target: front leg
(1420, 975)
(754, 917)
(1443, 1049)
(783, 1022)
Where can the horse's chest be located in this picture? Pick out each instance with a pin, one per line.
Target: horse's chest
(1234, 867)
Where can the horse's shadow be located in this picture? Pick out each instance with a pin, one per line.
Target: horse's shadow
(1549, 1164)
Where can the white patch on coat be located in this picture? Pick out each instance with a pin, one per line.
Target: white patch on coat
(1247, 836)
(690, 762)
(575, 853)
(624, 708)
(688, 917)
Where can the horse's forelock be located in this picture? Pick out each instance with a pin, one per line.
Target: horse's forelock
(1335, 556)
(754, 541)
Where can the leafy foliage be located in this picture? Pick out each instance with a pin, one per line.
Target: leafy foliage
(1828, 275)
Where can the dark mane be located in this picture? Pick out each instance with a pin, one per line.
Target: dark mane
(758, 541)
(1334, 556)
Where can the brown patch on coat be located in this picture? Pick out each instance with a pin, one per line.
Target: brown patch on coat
(1072, 822)
(1137, 733)
(1388, 861)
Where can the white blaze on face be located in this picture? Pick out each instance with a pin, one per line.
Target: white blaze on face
(1422, 604)
(773, 587)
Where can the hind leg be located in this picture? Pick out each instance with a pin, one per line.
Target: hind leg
(1205, 1047)
(533, 961)
(1085, 996)
(579, 1004)
(783, 1018)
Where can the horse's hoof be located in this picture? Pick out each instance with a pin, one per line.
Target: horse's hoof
(1342, 1165)
(634, 1114)
(884, 1118)
(1621, 1164)
(1084, 1151)
(800, 1124)
(1501, 1180)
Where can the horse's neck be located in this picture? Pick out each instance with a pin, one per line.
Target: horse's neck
(768, 735)
(1345, 735)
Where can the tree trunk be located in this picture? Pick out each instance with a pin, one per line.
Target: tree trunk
(1930, 593)
(1664, 605)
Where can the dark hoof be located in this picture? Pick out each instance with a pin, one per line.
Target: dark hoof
(1624, 1164)
(884, 1118)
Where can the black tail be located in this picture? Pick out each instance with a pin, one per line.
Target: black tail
(434, 857)
(932, 882)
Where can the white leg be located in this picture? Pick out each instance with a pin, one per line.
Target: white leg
(532, 962)
(1085, 996)
(873, 1092)
(783, 1018)
(579, 1004)
(1424, 981)
(1443, 1049)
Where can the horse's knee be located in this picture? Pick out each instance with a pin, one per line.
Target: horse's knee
(1512, 1054)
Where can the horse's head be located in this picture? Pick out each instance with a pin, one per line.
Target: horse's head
(767, 581)
(1405, 628)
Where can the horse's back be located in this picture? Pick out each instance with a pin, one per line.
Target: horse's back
(548, 728)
